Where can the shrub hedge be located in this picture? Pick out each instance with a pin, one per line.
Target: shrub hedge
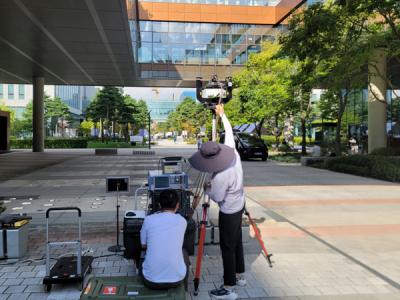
(51, 143)
(375, 166)
(270, 140)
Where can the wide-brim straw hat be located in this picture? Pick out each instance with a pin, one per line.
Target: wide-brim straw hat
(213, 157)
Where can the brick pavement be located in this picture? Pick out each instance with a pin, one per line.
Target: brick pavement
(310, 229)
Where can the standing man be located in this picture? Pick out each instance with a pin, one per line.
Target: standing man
(226, 189)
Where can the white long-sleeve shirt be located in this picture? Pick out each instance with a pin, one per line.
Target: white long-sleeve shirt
(227, 186)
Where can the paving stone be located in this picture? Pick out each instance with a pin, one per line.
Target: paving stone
(26, 269)
(34, 288)
(8, 269)
(13, 281)
(10, 275)
(256, 292)
(106, 264)
(38, 296)
(206, 286)
(12, 289)
(111, 270)
(19, 296)
(327, 290)
(201, 296)
(275, 292)
(27, 275)
(32, 281)
(4, 296)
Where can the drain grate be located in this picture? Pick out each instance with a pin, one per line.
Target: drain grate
(24, 197)
(143, 152)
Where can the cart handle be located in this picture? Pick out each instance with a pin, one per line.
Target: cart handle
(63, 208)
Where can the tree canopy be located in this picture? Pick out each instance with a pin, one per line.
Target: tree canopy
(189, 115)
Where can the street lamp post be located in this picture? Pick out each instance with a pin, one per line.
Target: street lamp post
(149, 129)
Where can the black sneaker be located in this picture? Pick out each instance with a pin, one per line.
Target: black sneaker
(223, 293)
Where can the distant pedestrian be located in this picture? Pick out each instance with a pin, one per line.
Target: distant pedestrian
(174, 138)
(199, 142)
(353, 145)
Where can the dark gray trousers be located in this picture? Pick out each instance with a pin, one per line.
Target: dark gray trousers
(230, 239)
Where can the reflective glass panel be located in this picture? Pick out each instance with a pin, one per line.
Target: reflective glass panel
(146, 36)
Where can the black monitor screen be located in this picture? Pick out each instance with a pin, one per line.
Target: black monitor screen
(161, 182)
(120, 184)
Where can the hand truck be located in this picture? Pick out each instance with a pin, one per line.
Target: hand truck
(67, 269)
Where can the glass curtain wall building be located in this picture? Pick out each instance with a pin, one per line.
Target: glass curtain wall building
(224, 2)
(184, 39)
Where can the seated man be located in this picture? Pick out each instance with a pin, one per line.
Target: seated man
(162, 237)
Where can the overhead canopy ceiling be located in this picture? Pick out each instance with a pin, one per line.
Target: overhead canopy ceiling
(85, 42)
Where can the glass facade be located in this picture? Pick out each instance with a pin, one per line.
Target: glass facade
(1, 91)
(393, 113)
(21, 91)
(160, 109)
(74, 96)
(199, 43)
(11, 91)
(223, 2)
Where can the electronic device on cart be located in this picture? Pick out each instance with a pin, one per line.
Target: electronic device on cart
(67, 269)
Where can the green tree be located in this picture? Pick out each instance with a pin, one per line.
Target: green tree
(105, 108)
(331, 53)
(189, 115)
(55, 111)
(141, 115)
(85, 128)
(127, 115)
(264, 91)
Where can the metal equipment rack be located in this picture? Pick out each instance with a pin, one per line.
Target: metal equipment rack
(67, 269)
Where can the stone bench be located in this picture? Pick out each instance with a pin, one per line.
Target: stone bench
(106, 151)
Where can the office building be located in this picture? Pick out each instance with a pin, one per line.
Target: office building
(184, 39)
(17, 96)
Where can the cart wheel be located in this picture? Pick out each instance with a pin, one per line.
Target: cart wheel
(48, 288)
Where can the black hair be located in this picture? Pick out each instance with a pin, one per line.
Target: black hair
(168, 199)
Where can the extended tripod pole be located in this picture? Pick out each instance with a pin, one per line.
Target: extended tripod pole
(203, 222)
(117, 247)
(258, 236)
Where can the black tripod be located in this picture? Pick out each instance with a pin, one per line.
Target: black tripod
(117, 247)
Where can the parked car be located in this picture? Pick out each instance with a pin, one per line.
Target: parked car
(248, 145)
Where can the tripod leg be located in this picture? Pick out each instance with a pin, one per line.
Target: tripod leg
(258, 236)
(200, 249)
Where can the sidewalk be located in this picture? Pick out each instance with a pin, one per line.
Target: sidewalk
(333, 236)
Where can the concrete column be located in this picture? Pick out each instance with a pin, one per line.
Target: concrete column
(377, 136)
(38, 114)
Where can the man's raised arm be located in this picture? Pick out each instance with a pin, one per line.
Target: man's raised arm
(229, 139)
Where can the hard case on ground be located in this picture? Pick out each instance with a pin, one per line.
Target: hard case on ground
(127, 288)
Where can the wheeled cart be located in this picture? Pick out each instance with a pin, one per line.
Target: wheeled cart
(67, 269)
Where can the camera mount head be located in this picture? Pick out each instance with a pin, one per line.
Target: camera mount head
(214, 92)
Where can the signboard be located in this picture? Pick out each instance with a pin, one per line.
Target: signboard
(136, 138)
(109, 290)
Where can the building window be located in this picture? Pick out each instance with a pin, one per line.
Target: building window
(11, 91)
(21, 91)
(1, 91)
